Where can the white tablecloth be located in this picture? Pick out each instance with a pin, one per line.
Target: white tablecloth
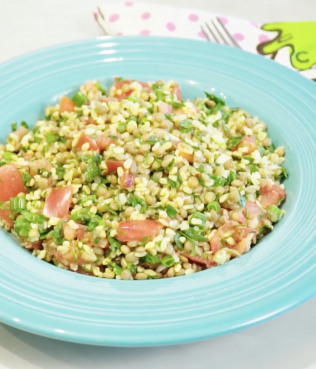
(288, 341)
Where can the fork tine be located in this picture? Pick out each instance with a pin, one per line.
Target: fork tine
(223, 39)
(210, 31)
(225, 34)
(207, 34)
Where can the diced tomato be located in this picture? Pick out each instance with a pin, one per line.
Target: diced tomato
(108, 98)
(248, 143)
(71, 234)
(177, 91)
(188, 157)
(271, 195)
(104, 141)
(112, 165)
(11, 185)
(216, 242)
(241, 232)
(241, 218)
(84, 138)
(21, 132)
(80, 232)
(39, 164)
(242, 246)
(66, 104)
(118, 85)
(127, 179)
(200, 260)
(252, 210)
(164, 107)
(90, 121)
(137, 230)
(81, 271)
(37, 245)
(58, 202)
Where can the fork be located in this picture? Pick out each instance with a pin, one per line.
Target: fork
(216, 32)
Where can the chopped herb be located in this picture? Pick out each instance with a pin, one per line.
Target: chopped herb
(271, 148)
(214, 98)
(13, 126)
(97, 240)
(249, 158)
(132, 267)
(57, 234)
(81, 215)
(167, 261)
(170, 165)
(79, 99)
(26, 178)
(160, 95)
(214, 205)
(176, 104)
(87, 198)
(178, 242)
(201, 180)
(111, 211)
(173, 184)
(199, 216)
(253, 169)
(171, 211)
(261, 150)
(121, 128)
(169, 116)
(200, 169)
(150, 259)
(265, 229)
(4, 206)
(198, 135)
(116, 268)
(185, 126)
(191, 234)
(100, 88)
(115, 244)
(113, 137)
(231, 177)
(62, 139)
(285, 173)
(218, 181)
(159, 207)
(51, 137)
(17, 204)
(24, 124)
(134, 200)
(95, 221)
(60, 172)
(92, 169)
(232, 142)
(152, 140)
(22, 226)
(274, 213)
(33, 218)
(155, 179)
(37, 139)
(7, 156)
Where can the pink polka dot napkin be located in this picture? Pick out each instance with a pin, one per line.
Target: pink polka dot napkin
(292, 44)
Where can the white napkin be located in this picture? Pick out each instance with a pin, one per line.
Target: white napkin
(136, 18)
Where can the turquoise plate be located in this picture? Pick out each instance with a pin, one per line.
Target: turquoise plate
(276, 275)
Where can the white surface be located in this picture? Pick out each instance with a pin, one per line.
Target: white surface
(287, 341)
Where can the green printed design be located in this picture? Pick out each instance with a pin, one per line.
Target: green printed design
(299, 36)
